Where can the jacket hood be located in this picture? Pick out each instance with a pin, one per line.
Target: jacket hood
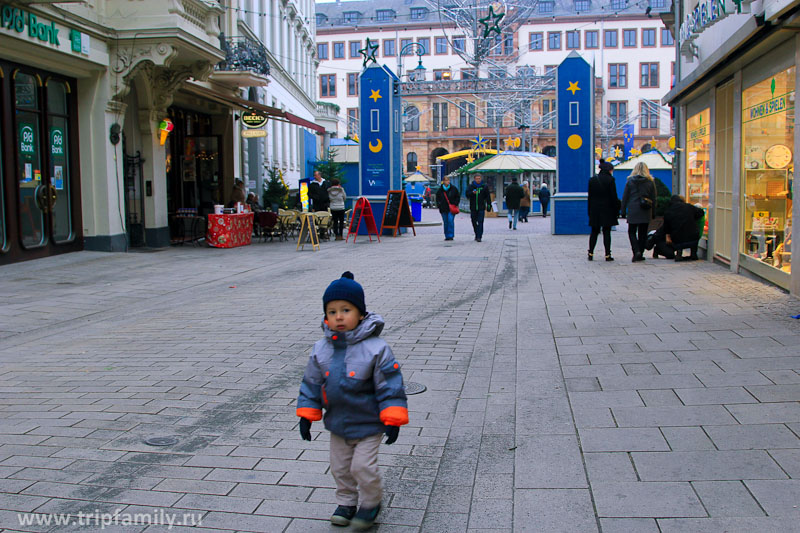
(639, 178)
(371, 325)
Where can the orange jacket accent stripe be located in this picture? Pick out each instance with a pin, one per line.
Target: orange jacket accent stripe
(309, 413)
(394, 416)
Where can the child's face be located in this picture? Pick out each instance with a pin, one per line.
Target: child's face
(342, 315)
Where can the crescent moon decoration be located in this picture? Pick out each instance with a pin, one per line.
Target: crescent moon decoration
(377, 148)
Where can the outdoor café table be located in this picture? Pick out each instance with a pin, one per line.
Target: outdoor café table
(229, 231)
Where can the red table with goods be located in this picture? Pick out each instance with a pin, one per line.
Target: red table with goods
(229, 231)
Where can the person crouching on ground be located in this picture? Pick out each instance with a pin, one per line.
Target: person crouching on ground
(681, 227)
(354, 376)
(478, 196)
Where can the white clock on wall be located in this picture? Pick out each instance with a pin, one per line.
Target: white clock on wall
(778, 156)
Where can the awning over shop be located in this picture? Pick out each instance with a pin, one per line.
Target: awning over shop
(516, 162)
(464, 153)
(273, 112)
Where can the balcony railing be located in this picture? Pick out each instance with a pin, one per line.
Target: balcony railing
(243, 54)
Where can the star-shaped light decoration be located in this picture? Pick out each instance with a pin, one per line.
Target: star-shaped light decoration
(369, 51)
(490, 23)
(375, 95)
(617, 152)
(653, 142)
(470, 159)
(598, 151)
(636, 151)
(418, 168)
(573, 86)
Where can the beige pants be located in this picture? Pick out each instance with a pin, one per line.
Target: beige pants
(354, 465)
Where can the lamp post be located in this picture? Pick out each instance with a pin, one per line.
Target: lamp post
(418, 74)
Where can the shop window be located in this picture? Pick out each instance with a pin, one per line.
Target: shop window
(29, 157)
(767, 142)
(698, 139)
(3, 245)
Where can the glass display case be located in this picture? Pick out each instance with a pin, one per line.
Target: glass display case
(697, 161)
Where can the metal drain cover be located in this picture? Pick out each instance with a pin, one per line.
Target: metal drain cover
(161, 441)
(415, 388)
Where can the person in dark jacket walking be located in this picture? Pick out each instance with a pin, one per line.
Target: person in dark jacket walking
(353, 375)
(544, 198)
(514, 194)
(681, 228)
(603, 208)
(318, 192)
(446, 196)
(638, 205)
(478, 196)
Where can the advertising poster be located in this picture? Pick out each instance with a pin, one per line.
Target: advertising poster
(58, 177)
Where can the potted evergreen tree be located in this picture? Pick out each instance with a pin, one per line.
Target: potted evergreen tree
(329, 168)
(275, 191)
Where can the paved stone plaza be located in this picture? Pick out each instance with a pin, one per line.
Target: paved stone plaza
(562, 395)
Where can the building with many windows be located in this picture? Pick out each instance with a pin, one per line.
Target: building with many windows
(632, 51)
(118, 116)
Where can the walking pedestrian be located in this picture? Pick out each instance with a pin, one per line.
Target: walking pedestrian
(337, 198)
(638, 205)
(544, 198)
(447, 198)
(604, 207)
(354, 376)
(525, 203)
(513, 197)
(478, 196)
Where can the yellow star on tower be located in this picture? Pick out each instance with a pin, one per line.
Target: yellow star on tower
(375, 95)
(573, 86)
(419, 168)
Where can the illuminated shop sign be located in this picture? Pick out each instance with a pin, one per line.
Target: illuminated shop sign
(706, 14)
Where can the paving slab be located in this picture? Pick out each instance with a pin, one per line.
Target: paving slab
(559, 396)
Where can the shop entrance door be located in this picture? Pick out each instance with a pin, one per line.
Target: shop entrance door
(201, 173)
(42, 138)
(134, 200)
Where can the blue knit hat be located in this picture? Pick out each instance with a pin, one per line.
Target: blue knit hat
(345, 288)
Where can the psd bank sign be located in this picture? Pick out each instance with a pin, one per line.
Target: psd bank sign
(16, 19)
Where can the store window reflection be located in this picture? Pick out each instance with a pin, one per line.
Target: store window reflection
(767, 141)
(697, 161)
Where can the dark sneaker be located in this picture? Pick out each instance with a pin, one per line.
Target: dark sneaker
(342, 515)
(365, 518)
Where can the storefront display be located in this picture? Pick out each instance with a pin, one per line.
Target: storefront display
(767, 141)
(698, 144)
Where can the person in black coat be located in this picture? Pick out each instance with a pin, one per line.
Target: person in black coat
(478, 196)
(514, 194)
(318, 193)
(544, 198)
(681, 227)
(603, 208)
(446, 196)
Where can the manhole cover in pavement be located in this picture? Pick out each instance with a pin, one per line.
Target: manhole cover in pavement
(415, 388)
(161, 441)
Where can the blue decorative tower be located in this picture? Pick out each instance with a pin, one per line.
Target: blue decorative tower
(380, 136)
(575, 146)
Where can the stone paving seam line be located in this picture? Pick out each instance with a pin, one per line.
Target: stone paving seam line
(567, 392)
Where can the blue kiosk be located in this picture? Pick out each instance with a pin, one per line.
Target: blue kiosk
(381, 141)
(575, 146)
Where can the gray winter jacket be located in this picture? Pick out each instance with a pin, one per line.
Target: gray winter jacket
(636, 188)
(356, 378)
(337, 195)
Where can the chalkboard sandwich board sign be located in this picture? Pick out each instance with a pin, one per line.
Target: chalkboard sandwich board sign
(308, 231)
(397, 213)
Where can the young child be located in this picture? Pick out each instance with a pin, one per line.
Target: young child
(353, 374)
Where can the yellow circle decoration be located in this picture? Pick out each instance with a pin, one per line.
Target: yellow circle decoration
(671, 143)
(574, 141)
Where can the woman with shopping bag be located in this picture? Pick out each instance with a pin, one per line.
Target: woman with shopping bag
(447, 198)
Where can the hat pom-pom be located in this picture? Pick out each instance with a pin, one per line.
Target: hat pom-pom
(348, 275)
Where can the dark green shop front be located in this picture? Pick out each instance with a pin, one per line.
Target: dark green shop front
(40, 211)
